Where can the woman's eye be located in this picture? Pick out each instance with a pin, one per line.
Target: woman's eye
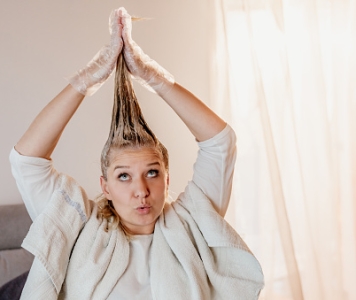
(123, 177)
(152, 173)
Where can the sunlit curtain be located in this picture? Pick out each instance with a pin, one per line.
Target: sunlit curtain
(283, 73)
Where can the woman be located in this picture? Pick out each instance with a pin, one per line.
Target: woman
(132, 244)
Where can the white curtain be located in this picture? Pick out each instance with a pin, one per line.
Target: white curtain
(286, 70)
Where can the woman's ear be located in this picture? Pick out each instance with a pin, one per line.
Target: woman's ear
(104, 188)
(167, 186)
(167, 180)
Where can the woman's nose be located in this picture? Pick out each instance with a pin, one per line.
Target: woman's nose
(141, 188)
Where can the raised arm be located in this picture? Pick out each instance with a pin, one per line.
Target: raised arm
(43, 134)
(200, 119)
(34, 173)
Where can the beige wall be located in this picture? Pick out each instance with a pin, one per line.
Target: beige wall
(44, 41)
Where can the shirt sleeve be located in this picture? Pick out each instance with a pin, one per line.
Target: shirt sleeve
(214, 168)
(36, 179)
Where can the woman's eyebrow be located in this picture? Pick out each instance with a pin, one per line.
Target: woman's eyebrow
(121, 167)
(154, 163)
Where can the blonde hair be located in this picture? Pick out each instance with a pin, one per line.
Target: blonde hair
(128, 130)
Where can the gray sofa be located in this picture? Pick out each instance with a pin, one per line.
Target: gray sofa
(14, 225)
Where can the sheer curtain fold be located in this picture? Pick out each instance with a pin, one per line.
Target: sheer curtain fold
(287, 80)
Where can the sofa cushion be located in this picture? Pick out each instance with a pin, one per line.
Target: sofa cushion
(13, 263)
(13, 289)
(14, 223)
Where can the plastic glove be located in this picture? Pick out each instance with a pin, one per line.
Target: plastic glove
(144, 69)
(89, 79)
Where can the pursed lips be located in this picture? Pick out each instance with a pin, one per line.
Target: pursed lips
(143, 209)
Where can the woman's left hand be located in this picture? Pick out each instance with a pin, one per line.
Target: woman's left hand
(144, 69)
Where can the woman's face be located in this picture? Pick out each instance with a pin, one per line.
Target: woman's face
(137, 185)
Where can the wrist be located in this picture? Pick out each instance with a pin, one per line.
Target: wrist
(89, 79)
(157, 79)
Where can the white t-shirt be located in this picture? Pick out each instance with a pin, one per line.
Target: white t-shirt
(36, 179)
(135, 284)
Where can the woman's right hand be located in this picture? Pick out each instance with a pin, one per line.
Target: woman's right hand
(89, 79)
(144, 69)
